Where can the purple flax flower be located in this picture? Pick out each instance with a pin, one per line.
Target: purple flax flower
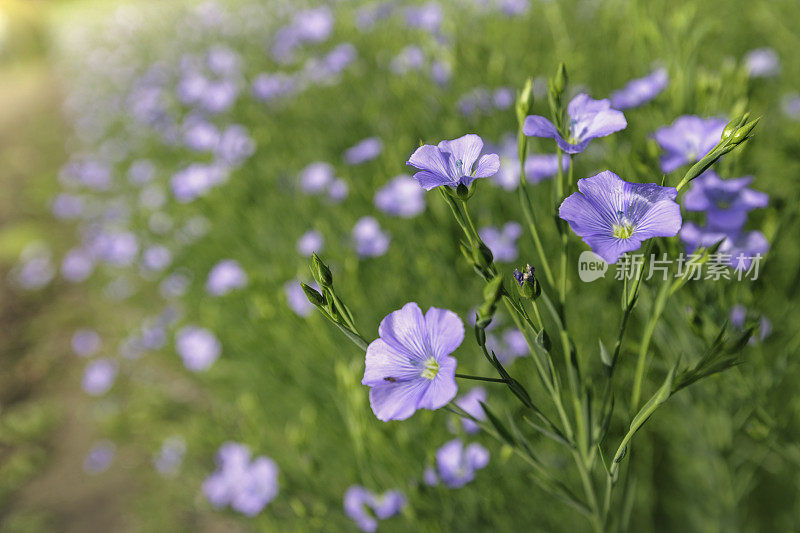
(310, 242)
(368, 238)
(174, 285)
(688, 140)
(225, 276)
(244, 485)
(156, 258)
(366, 508)
(790, 104)
(313, 25)
(738, 315)
(338, 190)
(316, 177)
(502, 241)
(409, 59)
(223, 61)
(169, 458)
(401, 197)
(367, 15)
(196, 180)
(141, 172)
(100, 457)
(35, 268)
(268, 87)
(441, 72)
(457, 464)
(587, 120)
(471, 403)
(235, 145)
(85, 342)
(503, 97)
(641, 90)
(614, 216)
(99, 376)
(67, 206)
(510, 346)
(198, 347)
(199, 134)
(762, 63)
(364, 151)
(539, 167)
(427, 17)
(296, 298)
(219, 96)
(117, 248)
(409, 367)
(726, 202)
(77, 265)
(257, 488)
(429, 476)
(741, 246)
(450, 162)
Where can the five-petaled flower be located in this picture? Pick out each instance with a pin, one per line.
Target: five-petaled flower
(614, 216)
(587, 120)
(687, 140)
(450, 162)
(409, 367)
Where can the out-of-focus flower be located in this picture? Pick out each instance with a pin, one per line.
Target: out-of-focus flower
(296, 298)
(198, 347)
(365, 150)
(725, 202)
(450, 162)
(268, 87)
(614, 216)
(741, 247)
(199, 134)
(369, 239)
(409, 366)
(762, 63)
(316, 177)
(99, 376)
(169, 458)
(587, 119)
(503, 97)
(401, 197)
(77, 265)
(641, 90)
(790, 104)
(235, 145)
(141, 171)
(458, 464)
(100, 457)
(441, 72)
(427, 17)
(365, 508)
(156, 258)
(510, 346)
(471, 403)
(68, 206)
(85, 342)
(687, 140)
(308, 26)
(310, 242)
(225, 276)
(35, 268)
(196, 180)
(247, 486)
(409, 59)
(502, 241)
(174, 286)
(367, 15)
(338, 190)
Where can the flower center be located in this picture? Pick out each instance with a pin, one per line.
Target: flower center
(624, 230)
(430, 368)
(459, 167)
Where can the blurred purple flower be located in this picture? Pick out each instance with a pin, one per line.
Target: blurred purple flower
(199, 134)
(223, 61)
(35, 268)
(156, 258)
(687, 140)
(198, 347)
(100, 457)
(316, 177)
(457, 464)
(268, 87)
(141, 171)
(510, 346)
(502, 241)
(196, 180)
(741, 246)
(409, 59)
(762, 63)
(367, 15)
(338, 190)
(169, 458)
(235, 145)
(118, 248)
(503, 97)
(471, 403)
(641, 90)
(450, 162)
(366, 508)
(174, 286)
(365, 150)
(77, 265)
(99, 376)
(310, 242)
(587, 119)
(225, 276)
(409, 366)
(401, 197)
(68, 206)
(738, 315)
(85, 342)
(368, 238)
(614, 216)
(441, 72)
(427, 17)
(725, 202)
(244, 485)
(790, 104)
(296, 298)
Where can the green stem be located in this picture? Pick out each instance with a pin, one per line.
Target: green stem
(644, 345)
(480, 378)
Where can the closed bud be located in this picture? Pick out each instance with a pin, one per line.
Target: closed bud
(560, 80)
(733, 125)
(529, 286)
(313, 296)
(493, 290)
(483, 256)
(480, 332)
(525, 100)
(743, 132)
(321, 271)
(462, 191)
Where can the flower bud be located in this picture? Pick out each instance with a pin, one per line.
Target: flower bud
(733, 125)
(560, 80)
(321, 271)
(313, 296)
(493, 290)
(742, 133)
(529, 286)
(483, 256)
(525, 100)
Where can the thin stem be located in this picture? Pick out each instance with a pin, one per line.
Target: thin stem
(480, 378)
(644, 345)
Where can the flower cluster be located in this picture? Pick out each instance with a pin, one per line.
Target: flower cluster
(244, 484)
